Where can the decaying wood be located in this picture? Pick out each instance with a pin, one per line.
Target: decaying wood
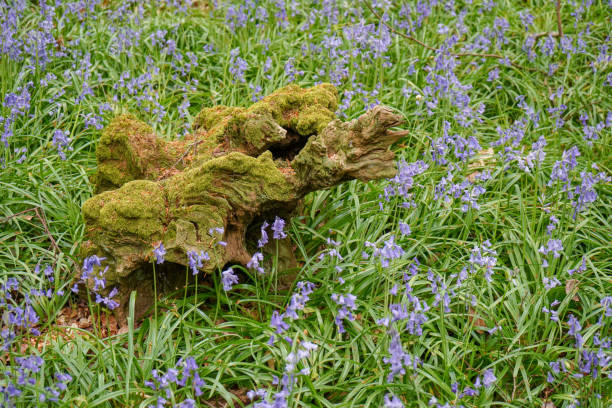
(240, 166)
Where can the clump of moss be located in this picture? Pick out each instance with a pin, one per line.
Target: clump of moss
(129, 150)
(134, 209)
(253, 130)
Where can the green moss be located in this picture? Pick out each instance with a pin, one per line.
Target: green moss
(292, 105)
(214, 121)
(252, 130)
(312, 119)
(238, 178)
(117, 162)
(136, 208)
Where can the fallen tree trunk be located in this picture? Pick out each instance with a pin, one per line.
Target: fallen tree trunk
(240, 166)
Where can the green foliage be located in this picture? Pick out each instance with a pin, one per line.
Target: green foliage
(501, 328)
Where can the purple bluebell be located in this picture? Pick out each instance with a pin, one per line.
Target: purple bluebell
(550, 283)
(108, 300)
(493, 74)
(574, 330)
(255, 262)
(554, 314)
(62, 142)
(554, 221)
(216, 230)
(488, 378)
(554, 245)
(392, 401)
(404, 228)
(159, 251)
(228, 279)
(264, 235)
(238, 66)
(398, 359)
(347, 304)
(88, 266)
(277, 228)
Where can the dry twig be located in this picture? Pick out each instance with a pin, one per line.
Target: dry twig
(40, 214)
(559, 32)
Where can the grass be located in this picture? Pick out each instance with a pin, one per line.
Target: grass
(108, 46)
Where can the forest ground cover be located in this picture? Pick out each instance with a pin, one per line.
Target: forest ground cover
(480, 275)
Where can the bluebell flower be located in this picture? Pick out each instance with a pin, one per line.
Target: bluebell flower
(88, 265)
(554, 314)
(398, 358)
(347, 304)
(159, 253)
(550, 283)
(554, 221)
(62, 142)
(196, 260)
(393, 401)
(216, 230)
(277, 228)
(493, 74)
(228, 279)
(554, 245)
(264, 235)
(254, 263)
(574, 330)
(108, 300)
(238, 66)
(404, 228)
(488, 378)
(277, 322)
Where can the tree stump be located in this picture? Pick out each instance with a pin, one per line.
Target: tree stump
(239, 167)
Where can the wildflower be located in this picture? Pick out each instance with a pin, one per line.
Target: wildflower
(526, 19)
(550, 283)
(264, 235)
(88, 265)
(228, 279)
(388, 252)
(218, 230)
(554, 245)
(574, 329)
(392, 401)
(606, 303)
(159, 253)
(277, 322)
(299, 299)
(484, 256)
(107, 300)
(493, 75)
(554, 314)
(196, 260)
(561, 168)
(586, 192)
(61, 141)
(488, 378)
(346, 303)
(404, 228)
(398, 358)
(254, 263)
(277, 228)
(554, 221)
(238, 66)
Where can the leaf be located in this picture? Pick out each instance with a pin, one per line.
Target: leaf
(571, 286)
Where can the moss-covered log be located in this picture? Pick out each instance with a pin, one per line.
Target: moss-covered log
(240, 166)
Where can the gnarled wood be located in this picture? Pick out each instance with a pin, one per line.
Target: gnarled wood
(239, 167)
